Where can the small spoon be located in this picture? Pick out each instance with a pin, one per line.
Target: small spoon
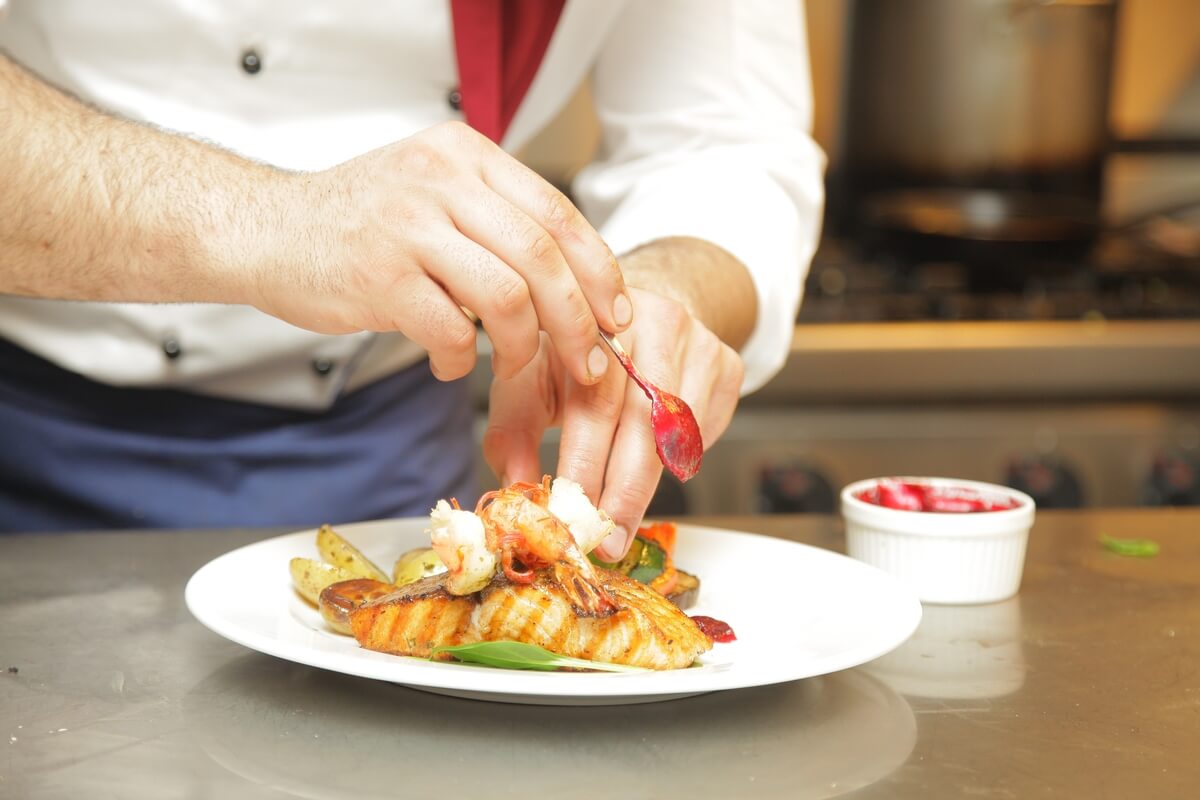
(676, 434)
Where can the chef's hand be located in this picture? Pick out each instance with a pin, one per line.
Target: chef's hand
(404, 237)
(607, 441)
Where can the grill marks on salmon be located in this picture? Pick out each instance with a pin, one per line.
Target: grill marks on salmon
(411, 620)
(647, 630)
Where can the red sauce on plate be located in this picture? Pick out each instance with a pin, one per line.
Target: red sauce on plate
(715, 629)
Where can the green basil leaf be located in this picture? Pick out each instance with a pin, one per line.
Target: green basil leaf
(1138, 548)
(519, 655)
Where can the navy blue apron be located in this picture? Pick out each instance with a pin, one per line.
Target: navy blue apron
(80, 455)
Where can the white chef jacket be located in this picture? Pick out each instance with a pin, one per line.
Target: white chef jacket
(704, 110)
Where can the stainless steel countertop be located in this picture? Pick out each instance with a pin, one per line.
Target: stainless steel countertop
(1085, 685)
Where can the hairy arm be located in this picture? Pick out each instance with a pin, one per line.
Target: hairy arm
(714, 286)
(399, 239)
(99, 208)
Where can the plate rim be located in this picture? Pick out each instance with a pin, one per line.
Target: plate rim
(542, 687)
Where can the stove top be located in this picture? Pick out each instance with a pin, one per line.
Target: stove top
(1125, 277)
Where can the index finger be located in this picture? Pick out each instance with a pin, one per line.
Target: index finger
(588, 257)
(589, 422)
(632, 474)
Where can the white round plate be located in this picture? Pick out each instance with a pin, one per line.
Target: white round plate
(798, 611)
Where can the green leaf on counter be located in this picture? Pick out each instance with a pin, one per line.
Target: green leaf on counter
(1137, 548)
(519, 655)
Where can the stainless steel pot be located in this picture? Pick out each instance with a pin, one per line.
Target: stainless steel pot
(981, 120)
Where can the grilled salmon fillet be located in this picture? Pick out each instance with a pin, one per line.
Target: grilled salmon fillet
(646, 631)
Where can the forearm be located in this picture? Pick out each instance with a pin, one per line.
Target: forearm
(100, 208)
(712, 284)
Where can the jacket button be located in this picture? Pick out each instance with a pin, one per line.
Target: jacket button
(454, 99)
(322, 366)
(251, 63)
(171, 349)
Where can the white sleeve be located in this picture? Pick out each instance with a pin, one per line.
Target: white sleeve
(705, 109)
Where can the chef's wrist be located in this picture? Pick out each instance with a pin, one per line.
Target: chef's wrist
(259, 238)
(713, 285)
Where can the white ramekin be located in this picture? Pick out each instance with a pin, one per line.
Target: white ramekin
(974, 557)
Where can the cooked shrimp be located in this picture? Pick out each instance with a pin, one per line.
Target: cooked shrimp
(458, 538)
(522, 530)
(587, 524)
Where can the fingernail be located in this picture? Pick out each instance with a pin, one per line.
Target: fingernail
(622, 310)
(615, 545)
(597, 362)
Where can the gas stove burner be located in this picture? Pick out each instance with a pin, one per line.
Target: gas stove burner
(1119, 279)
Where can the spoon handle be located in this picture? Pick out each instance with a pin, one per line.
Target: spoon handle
(627, 363)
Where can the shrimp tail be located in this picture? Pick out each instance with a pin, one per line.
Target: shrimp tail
(510, 570)
(587, 597)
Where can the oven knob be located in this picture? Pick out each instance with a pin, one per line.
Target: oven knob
(1174, 480)
(794, 488)
(1045, 478)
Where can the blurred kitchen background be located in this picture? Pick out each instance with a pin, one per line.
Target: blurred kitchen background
(1008, 287)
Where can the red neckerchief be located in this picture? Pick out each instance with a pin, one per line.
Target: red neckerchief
(500, 45)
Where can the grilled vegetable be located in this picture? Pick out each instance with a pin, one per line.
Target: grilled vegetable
(339, 552)
(626, 564)
(661, 533)
(686, 591)
(651, 562)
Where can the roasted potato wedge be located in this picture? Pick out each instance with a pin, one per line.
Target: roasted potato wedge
(339, 599)
(310, 576)
(339, 552)
(420, 562)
